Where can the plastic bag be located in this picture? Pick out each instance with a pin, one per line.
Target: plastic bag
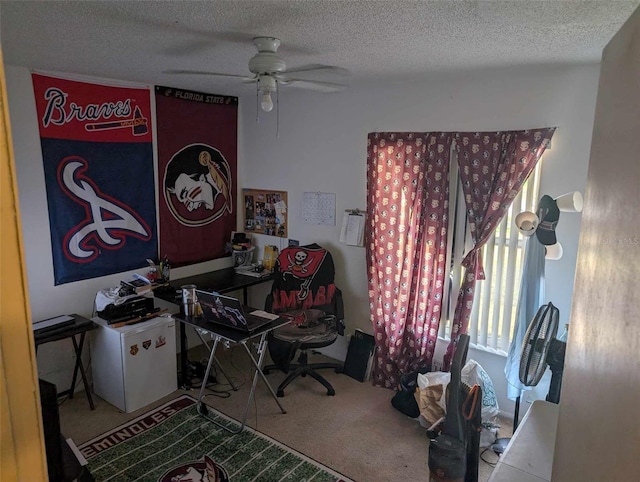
(428, 402)
(430, 396)
(473, 374)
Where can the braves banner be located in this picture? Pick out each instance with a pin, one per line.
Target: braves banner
(197, 165)
(98, 166)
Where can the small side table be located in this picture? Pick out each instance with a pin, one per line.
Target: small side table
(80, 326)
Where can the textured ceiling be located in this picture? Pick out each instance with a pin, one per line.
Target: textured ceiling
(377, 41)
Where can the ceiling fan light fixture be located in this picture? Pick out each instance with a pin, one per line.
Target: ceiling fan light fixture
(266, 103)
(266, 85)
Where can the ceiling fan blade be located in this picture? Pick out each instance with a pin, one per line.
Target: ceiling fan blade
(204, 72)
(315, 67)
(313, 84)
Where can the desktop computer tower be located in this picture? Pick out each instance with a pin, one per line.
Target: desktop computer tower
(51, 425)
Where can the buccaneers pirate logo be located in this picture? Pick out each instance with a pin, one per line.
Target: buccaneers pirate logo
(302, 264)
(197, 185)
(305, 279)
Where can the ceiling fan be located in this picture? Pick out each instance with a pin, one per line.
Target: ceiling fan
(269, 71)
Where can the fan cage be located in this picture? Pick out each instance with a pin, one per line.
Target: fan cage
(541, 332)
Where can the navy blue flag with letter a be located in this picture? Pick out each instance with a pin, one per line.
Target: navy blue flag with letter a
(98, 164)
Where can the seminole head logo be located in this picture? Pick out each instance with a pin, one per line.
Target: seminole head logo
(205, 470)
(197, 185)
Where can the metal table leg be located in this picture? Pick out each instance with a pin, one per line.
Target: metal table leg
(78, 350)
(202, 408)
(217, 362)
(262, 349)
(185, 380)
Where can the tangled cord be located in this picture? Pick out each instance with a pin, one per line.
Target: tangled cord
(226, 392)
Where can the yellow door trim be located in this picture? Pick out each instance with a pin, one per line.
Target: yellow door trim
(22, 439)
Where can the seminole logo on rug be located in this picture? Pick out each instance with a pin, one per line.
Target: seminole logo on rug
(206, 471)
(173, 443)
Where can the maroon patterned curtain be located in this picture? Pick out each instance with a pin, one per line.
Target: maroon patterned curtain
(407, 208)
(493, 168)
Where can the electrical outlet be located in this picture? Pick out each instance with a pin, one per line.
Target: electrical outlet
(294, 242)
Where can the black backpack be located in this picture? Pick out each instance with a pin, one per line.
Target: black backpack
(404, 400)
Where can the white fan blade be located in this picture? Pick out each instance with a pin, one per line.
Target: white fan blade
(314, 67)
(203, 72)
(312, 84)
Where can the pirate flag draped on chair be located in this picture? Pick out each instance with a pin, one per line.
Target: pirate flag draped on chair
(304, 291)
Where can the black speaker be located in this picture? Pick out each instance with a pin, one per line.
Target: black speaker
(62, 464)
(51, 424)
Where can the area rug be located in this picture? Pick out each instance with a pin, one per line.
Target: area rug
(173, 443)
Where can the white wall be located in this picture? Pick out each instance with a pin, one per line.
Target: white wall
(322, 147)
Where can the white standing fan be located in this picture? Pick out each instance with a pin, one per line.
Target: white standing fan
(540, 348)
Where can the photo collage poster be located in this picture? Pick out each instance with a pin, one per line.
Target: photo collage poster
(265, 212)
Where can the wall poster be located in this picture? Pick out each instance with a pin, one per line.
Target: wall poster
(97, 153)
(265, 212)
(197, 166)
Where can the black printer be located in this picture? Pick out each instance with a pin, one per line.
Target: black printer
(131, 308)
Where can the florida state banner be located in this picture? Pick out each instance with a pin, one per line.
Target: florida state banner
(197, 165)
(98, 166)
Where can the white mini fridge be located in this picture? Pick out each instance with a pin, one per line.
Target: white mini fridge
(134, 365)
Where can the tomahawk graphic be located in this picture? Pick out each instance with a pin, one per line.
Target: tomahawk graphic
(138, 124)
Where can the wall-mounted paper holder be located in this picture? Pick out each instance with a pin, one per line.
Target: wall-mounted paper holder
(352, 232)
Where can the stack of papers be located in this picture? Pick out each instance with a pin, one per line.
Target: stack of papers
(137, 284)
(250, 271)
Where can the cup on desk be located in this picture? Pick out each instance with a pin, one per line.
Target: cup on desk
(189, 308)
(270, 256)
(189, 299)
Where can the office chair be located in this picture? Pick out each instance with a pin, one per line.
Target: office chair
(304, 291)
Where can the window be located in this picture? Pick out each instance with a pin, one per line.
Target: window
(496, 297)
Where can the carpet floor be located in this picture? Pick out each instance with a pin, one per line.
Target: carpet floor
(357, 432)
(174, 442)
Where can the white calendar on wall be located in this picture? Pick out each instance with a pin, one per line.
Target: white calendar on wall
(319, 208)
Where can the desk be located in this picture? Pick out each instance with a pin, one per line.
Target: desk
(80, 327)
(220, 333)
(223, 281)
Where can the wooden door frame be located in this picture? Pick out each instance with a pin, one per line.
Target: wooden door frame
(22, 440)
